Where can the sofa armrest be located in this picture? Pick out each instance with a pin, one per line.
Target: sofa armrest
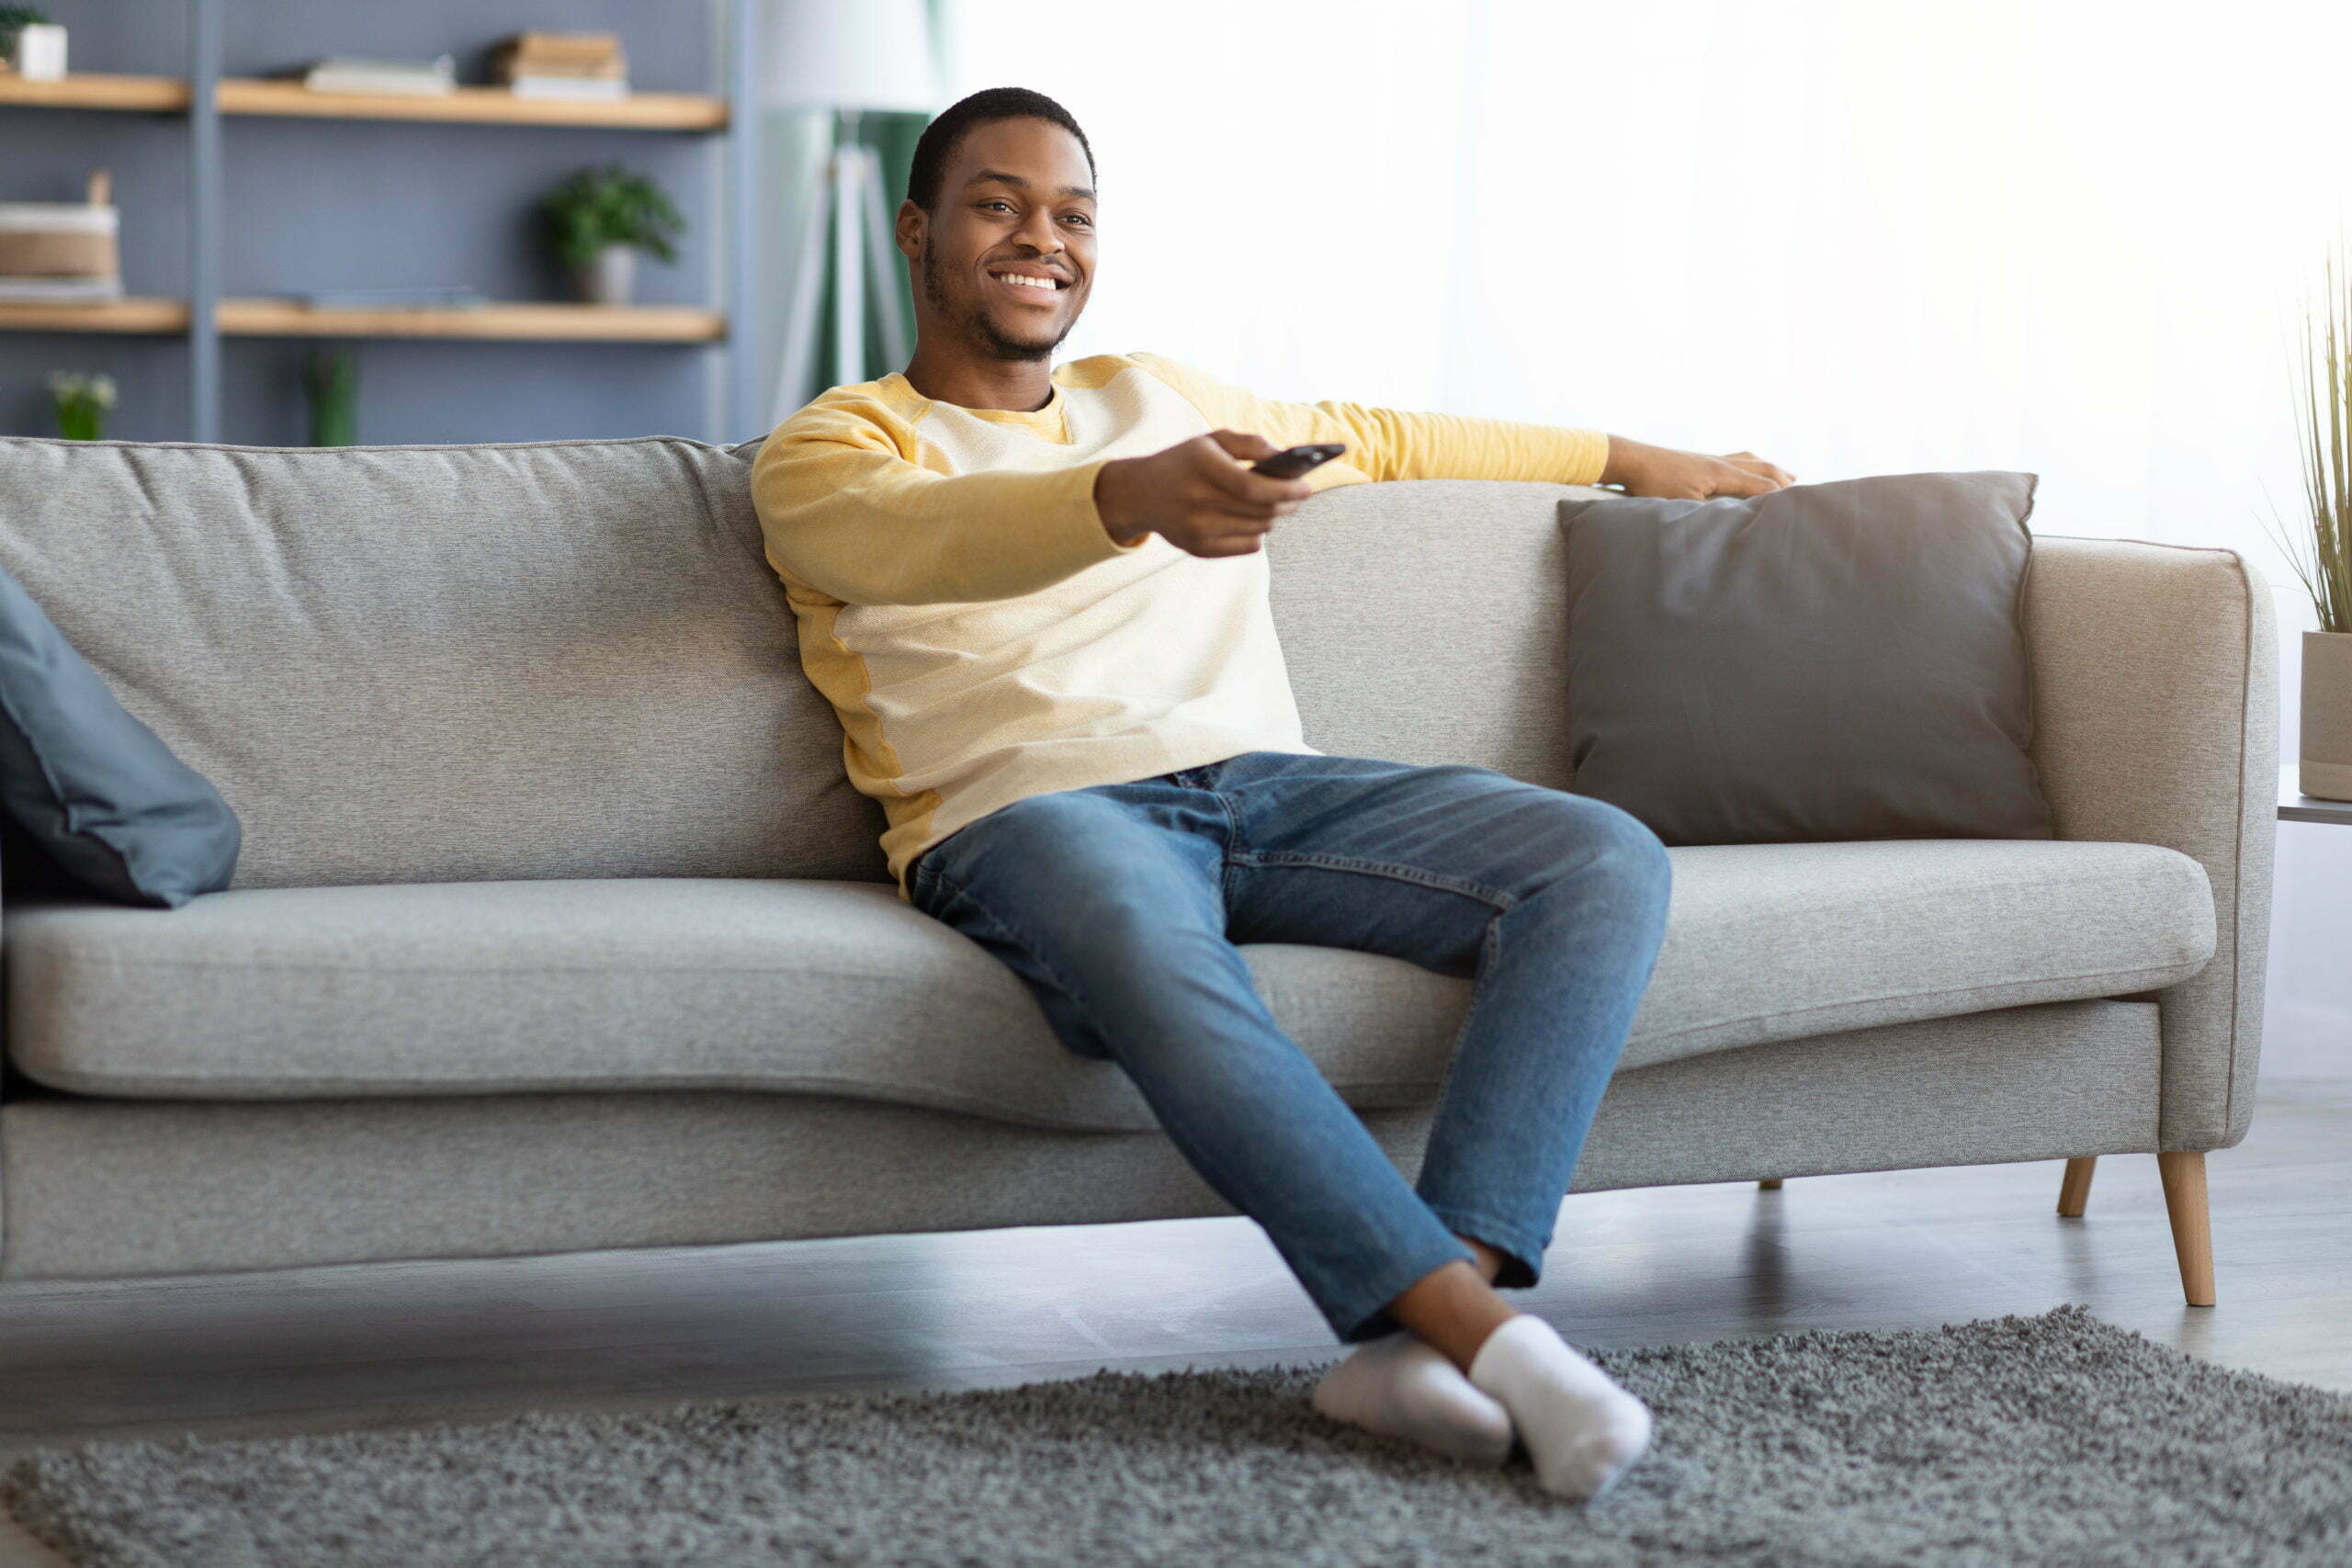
(2156, 721)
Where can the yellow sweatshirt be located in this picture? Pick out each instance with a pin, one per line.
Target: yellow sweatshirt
(984, 639)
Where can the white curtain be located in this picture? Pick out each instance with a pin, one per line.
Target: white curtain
(1856, 236)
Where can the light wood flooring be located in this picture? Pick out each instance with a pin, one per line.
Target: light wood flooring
(395, 1345)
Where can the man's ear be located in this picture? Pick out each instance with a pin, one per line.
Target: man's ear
(912, 223)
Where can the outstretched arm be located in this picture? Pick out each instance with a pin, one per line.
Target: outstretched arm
(1395, 444)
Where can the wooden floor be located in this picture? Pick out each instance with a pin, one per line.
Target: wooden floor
(402, 1344)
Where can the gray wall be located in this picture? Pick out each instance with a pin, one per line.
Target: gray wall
(320, 203)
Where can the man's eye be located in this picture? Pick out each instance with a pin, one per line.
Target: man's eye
(1006, 205)
(1082, 217)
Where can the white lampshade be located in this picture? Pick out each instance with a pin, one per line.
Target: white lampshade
(849, 54)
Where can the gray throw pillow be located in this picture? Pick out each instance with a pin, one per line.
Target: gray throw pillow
(1838, 661)
(93, 790)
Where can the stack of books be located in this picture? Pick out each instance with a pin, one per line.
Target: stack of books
(422, 78)
(563, 65)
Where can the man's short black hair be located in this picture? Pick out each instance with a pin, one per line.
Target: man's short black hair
(937, 146)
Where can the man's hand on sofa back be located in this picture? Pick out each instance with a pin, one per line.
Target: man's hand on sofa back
(1645, 469)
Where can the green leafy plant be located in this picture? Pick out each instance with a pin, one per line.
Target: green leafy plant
(607, 205)
(2322, 558)
(331, 385)
(80, 402)
(14, 19)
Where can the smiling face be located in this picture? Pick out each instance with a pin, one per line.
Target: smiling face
(1003, 267)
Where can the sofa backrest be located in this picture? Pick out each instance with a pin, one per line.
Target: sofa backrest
(1427, 621)
(571, 659)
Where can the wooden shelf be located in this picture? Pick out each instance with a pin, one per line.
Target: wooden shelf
(492, 106)
(641, 111)
(528, 320)
(156, 94)
(114, 316)
(514, 321)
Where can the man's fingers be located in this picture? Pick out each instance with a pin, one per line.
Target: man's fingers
(1741, 481)
(1244, 445)
(1237, 483)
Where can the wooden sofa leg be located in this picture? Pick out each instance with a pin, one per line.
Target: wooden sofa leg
(1770, 1184)
(2192, 1233)
(2076, 1191)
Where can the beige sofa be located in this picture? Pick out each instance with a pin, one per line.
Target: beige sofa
(558, 925)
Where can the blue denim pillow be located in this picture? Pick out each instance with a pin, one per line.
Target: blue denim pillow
(93, 787)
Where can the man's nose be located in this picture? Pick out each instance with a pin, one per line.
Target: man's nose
(1039, 233)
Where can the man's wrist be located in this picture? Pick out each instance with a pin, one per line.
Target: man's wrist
(1110, 502)
(1620, 454)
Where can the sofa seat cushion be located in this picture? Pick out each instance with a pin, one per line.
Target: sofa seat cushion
(840, 987)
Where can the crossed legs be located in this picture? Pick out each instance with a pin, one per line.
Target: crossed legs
(1122, 906)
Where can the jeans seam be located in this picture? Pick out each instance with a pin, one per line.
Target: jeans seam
(1232, 823)
(1502, 901)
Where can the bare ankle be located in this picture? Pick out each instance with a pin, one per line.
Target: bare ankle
(1452, 1309)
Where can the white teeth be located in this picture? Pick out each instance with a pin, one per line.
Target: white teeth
(1026, 281)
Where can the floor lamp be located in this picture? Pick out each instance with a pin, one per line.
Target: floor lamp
(847, 58)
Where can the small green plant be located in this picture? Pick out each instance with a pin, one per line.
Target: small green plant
(2322, 558)
(80, 402)
(607, 205)
(331, 385)
(15, 19)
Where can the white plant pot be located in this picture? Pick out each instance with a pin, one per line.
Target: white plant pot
(2328, 714)
(611, 278)
(39, 51)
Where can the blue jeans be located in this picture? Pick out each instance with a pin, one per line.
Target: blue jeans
(1120, 906)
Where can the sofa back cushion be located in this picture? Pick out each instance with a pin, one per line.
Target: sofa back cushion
(450, 663)
(571, 659)
(1426, 621)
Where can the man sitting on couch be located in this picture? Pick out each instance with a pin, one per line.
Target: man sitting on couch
(1037, 599)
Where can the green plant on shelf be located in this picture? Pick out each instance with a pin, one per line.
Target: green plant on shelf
(608, 205)
(80, 402)
(14, 19)
(331, 386)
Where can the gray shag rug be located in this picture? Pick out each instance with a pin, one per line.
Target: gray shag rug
(2003, 1442)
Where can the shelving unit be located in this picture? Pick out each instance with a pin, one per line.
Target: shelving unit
(472, 105)
(204, 95)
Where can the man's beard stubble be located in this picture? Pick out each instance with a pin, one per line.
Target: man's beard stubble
(976, 325)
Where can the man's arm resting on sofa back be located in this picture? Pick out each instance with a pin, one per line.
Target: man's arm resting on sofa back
(1398, 444)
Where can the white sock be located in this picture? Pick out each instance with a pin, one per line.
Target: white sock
(1401, 1386)
(1582, 1431)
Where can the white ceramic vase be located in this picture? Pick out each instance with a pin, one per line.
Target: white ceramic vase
(2328, 714)
(611, 278)
(39, 51)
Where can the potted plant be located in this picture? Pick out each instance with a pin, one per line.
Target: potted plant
(31, 44)
(599, 219)
(331, 388)
(80, 402)
(2322, 557)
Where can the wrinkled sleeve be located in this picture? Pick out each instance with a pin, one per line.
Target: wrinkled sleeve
(847, 511)
(1396, 444)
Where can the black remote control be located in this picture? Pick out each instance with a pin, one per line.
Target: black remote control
(1293, 461)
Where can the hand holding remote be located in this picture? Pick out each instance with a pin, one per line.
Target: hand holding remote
(1200, 495)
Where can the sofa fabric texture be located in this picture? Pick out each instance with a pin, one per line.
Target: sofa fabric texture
(108, 1188)
(95, 791)
(1825, 661)
(834, 987)
(450, 663)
